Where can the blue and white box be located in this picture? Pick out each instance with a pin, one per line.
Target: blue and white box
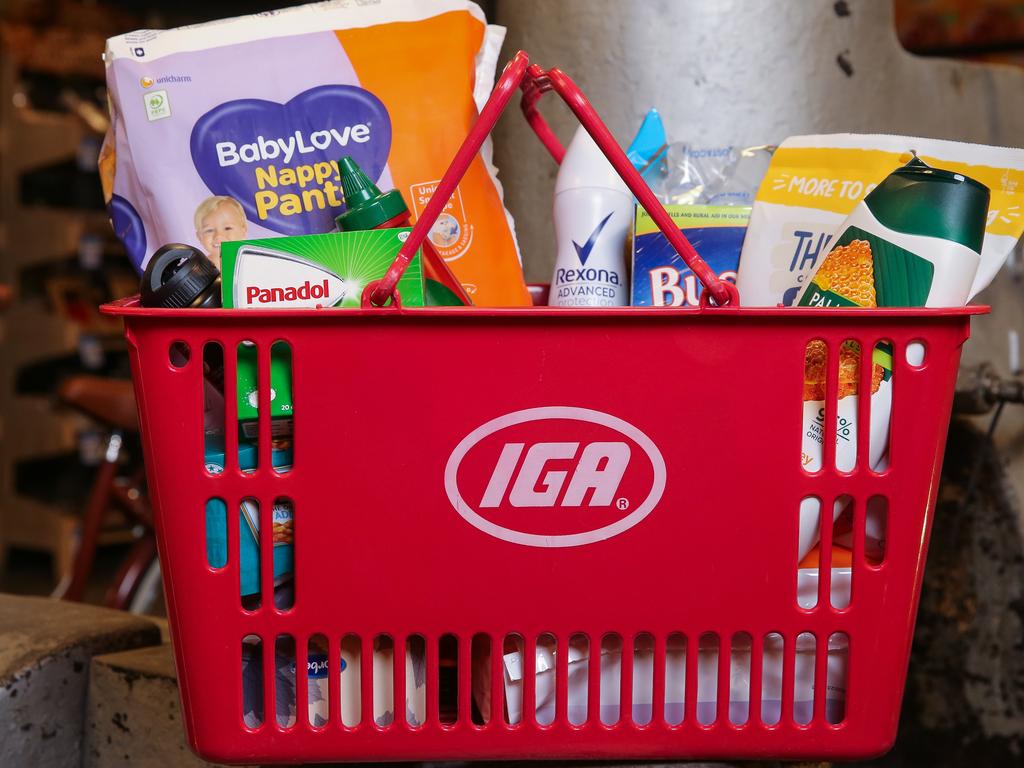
(661, 277)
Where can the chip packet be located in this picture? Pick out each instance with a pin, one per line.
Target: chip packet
(231, 130)
(814, 182)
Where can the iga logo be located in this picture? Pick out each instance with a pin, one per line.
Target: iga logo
(557, 476)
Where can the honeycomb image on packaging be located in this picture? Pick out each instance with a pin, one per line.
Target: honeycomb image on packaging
(816, 366)
(865, 270)
(849, 277)
(849, 271)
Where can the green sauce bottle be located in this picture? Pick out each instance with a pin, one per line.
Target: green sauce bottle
(366, 207)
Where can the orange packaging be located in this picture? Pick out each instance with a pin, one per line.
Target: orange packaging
(231, 130)
(841, 557)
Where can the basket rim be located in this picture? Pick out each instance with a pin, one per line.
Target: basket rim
(131, 308)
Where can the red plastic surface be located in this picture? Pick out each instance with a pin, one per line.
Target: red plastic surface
(380, 548)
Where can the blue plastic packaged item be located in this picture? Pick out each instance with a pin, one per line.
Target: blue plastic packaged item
(248, 519)
(649, 143)
(661, 277)
(719, 176)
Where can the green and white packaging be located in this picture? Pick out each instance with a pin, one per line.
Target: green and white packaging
(814, 183)
(914, 241)
(311, 271)
(304, 272)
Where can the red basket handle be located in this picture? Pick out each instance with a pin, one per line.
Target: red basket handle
(535, 82)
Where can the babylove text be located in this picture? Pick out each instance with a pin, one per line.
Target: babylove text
(294, 189)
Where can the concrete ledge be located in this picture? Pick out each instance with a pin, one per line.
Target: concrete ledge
(134, 720)
(133, 714)
(45, 650)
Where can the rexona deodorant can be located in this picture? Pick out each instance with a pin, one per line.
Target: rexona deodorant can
(593, 212)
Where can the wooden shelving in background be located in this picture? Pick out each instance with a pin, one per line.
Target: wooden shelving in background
(45, 224)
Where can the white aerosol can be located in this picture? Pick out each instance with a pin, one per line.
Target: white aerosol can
(593, 214)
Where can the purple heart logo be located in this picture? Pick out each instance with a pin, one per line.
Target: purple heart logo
(278, 160)
(129, 228)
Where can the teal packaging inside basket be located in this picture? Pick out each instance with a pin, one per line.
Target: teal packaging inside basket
(248, 519)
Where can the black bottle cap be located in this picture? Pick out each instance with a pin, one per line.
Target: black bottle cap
(179, 276)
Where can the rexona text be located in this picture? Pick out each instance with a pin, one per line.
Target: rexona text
(256, 295)
(600, 467)
(569, 275)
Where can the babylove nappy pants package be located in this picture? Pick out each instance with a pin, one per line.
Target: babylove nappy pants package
(232, 130)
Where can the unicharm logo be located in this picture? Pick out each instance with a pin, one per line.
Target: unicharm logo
(284, 148)
(555, 476)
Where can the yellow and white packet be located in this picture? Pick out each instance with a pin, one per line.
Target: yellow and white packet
(812, 185)
(814, 182)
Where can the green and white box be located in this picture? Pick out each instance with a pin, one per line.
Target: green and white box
(305, 272)
(310, 271)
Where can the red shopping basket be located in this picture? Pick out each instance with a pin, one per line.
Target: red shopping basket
(466, 476)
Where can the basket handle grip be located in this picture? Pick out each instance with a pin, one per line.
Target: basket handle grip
(535, 82)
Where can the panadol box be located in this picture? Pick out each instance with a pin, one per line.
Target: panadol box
(314, 271)
(304, 272)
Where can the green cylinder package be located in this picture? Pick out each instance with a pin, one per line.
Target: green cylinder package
(914, 241)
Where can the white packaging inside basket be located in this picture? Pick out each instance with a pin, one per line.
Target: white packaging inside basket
(318, 680)
(383, 686)
(675, 674)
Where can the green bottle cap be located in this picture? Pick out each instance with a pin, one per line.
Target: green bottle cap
(920, 200)
(365, 206)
